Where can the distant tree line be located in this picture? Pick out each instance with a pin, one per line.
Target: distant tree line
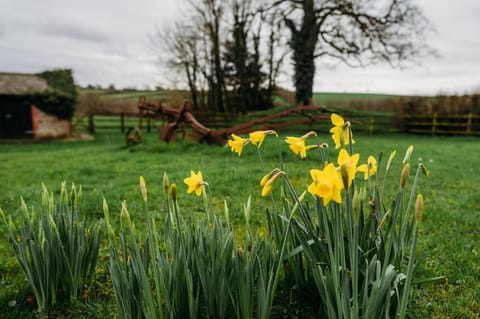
(230, 52)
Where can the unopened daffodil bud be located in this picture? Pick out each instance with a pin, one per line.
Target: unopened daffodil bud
(424, 170)
(143, 188)
(405, 174)
(408, 154)
(125, 216)
(419, 208)
(267, 187)
(166, 183)
(390, 159)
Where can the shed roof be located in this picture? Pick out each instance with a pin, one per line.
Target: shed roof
(20, 83)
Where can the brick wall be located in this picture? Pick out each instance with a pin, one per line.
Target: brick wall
(47, 126)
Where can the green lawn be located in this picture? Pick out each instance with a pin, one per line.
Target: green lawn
(450, 234)
(331, 97)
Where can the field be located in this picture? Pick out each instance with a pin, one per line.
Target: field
(331, 98)
(105, 168)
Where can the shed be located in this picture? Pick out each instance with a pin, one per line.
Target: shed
(19, 117)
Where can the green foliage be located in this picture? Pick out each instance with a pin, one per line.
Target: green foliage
(60, 100)
(356, 256)
(106, 169)
(61, 80)
(198, 270)
(56, 251)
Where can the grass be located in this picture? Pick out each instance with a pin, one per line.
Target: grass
(107, 169)
(331, 98)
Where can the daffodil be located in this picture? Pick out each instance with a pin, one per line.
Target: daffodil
(297, 145)
(195, 183)
(237, 143)
(268, 180)
(370, 167)
(348, 166)
(257, 137)
(327, 184)
(340, 131)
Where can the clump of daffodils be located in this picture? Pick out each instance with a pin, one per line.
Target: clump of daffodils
(341, 243)
(359, 254)
(327, 181)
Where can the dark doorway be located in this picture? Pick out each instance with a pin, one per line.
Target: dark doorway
(15, 117)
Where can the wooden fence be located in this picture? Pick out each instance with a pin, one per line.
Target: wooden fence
(442, 124)
(375, 123)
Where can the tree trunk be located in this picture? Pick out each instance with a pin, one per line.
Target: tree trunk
(303, 42)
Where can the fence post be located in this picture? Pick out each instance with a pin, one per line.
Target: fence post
(91, 124)
(434, 123)
(371, 124)
(469, 123)
(122, 122)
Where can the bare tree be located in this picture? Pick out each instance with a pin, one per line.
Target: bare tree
(275, 54)
(227, 50)
(182, 45)
(356, 32)
(209, 14)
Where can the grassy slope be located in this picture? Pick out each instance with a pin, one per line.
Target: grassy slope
(331, 97)
(319, 98)
(104, 168)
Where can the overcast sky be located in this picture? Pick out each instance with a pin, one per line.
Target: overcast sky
(107, 42)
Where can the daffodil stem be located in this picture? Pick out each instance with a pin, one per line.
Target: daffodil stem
(414, 188)
(350, 138)
(353, 252)
(408, 280)
(210, 210)
(261, 160)
(280, 157)
(404, 218)
(323, 158)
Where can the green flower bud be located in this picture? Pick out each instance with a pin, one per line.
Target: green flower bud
(405, 175)
(419, 209)
(166, 183)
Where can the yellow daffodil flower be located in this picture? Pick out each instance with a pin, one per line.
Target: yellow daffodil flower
(237, 143)
(349, 165)
(371, 165)
(195, 183)
(327, 184)
(297, 145)
(340, 131)
(257, 137)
